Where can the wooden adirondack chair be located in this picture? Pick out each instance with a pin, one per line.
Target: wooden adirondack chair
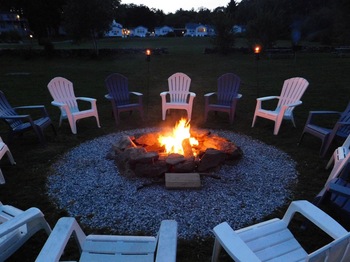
(17, 226)
(5, 150)
(111, 248)
(226, 96)
(179, 95)
(340, 130)
(61, 89)
(273, 241)
(120, 96)
(19, 123)
(292, 91)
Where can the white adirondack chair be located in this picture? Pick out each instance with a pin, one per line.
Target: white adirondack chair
(273, 241)
(341, 158)
(5, 150)
(179, 95)
(339, 154)
(292, 91)
(161, 248)
(17, 226)
(61, 89)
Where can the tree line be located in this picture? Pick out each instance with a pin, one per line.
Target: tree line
(266, 21)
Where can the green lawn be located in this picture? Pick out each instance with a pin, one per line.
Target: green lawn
(24, 81)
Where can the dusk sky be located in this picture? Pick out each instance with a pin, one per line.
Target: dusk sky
(173, 6)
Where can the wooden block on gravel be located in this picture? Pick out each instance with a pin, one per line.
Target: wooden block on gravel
(182, 180)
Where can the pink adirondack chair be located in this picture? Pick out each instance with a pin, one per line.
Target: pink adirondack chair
(226, 96)
(179, 95)
(61, 89)
(292, 91)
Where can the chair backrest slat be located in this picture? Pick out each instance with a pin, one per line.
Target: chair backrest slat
(228, 86)
(179, 87)
(7, 110)
(345, 117)
(292, 91)
(117, 86)
(61, 90)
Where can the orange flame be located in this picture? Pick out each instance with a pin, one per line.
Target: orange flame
(173, 142)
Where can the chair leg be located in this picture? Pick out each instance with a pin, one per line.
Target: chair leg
(254, 119)
(98, 121)
(216, 251)
(10, 157)
(164, 111)
(2, 179)
(301, 138)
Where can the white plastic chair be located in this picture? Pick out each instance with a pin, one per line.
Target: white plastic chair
(62, 92)
(5, 150)
(292, 91)
(17, 226)
(179, 95)
(161, 248)
(273, 241)
(339, 154)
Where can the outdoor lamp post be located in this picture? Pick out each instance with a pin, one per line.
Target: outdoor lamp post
(257, 50)
(148, 59)
(148, 55)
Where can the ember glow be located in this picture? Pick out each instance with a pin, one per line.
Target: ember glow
(173, 142)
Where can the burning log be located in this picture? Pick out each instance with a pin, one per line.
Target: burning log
(186, 145)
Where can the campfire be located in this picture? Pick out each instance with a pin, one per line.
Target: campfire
(180, 150)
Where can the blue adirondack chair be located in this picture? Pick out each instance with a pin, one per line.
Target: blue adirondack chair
(20, 123)
(340, 130)
(120, 96)
(336, 193)
(226, 96)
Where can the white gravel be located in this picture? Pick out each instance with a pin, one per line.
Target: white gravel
(86, 184)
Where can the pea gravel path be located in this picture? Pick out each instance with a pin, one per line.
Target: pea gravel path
(86, 184)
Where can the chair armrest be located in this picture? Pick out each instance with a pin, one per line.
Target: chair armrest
(42, 108)
(30, 107)
(297, 103)
(164, 93)
(323, 112)
(192, 94)
(59, 104)
(28, 216)
(265, 98)
(87, 99)
(233, 244)
(167, 241)
(136, 93)
(316, 216)
(58, 239)
(210, 94)
(108, 96)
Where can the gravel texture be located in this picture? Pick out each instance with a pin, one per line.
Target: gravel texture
(88, 185)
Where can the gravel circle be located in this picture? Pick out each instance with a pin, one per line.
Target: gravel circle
(88, 185)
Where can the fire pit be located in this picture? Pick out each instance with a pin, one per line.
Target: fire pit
(180, 150)
(89, 186)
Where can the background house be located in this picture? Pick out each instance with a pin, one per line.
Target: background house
(11, 22)
(116, 30)
(193, 29)
(139, 31)
(163, 30)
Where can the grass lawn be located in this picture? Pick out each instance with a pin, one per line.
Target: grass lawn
(24, 81)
